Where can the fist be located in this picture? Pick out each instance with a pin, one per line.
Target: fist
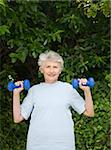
(83, 82)
(18, 90)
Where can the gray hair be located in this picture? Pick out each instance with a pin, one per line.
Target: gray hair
(50, 55)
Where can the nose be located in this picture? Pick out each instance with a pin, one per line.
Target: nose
(51, 69)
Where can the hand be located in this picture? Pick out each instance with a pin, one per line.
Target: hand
(18, 90)
(83, 81)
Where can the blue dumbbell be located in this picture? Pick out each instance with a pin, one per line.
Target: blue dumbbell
(90, 82)
(12, 86)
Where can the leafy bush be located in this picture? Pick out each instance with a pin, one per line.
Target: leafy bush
(79, 31)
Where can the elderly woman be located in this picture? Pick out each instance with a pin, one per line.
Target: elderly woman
(48, 103)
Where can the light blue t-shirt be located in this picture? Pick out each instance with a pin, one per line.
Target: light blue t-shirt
(51, 125)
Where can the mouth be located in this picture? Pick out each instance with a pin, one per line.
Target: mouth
(51, 75)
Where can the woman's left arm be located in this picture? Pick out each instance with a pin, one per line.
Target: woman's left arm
(89, 111)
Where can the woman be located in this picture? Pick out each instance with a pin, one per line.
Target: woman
(51, 124)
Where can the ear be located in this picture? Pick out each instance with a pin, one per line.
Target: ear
(60, 71)
(40, 69)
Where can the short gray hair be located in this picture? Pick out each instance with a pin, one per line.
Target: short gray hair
(50, 55)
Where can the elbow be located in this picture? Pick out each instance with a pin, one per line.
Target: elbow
(89, 114)
(16, 121)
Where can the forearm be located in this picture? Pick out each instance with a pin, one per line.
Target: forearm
(16, 108)
(88, 103)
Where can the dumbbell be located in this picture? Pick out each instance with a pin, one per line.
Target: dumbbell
(12, 86)
(90, 82)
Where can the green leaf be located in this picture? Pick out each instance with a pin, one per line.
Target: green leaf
(2, 3)
(4, 29)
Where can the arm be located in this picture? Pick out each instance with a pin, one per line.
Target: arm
(88, 99)
(16, 103)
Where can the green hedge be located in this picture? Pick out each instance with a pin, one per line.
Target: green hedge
(79, 31)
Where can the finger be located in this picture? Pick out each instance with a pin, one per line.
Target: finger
(19, 83)
(83, 81)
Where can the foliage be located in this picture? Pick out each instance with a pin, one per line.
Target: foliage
(92, 7)
(79, 31)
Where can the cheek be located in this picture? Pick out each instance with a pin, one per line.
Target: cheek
(59, 71)
(45, 70)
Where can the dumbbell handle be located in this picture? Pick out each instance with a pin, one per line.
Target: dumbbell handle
(16, 86)
(86, 84)
(90, 82)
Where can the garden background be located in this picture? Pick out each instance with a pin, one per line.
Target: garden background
(79, 31)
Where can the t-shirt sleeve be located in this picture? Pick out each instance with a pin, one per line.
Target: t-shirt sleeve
(27, 105)
(76, 101)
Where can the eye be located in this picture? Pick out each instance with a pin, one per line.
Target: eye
(47, 66)
(55, 67)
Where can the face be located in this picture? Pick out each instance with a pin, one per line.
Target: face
(51, 71)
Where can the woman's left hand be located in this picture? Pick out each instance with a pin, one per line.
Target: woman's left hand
(83, 81)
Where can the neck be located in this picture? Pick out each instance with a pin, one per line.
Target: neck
(50, 82)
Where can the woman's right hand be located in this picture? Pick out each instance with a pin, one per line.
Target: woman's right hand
(18, 90)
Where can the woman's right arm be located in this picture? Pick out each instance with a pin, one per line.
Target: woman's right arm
(17, 117)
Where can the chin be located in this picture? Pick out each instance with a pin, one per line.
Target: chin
(52, 80)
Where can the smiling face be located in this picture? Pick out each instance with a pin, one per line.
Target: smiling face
(51, 71)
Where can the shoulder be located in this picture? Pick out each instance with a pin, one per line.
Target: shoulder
(66, 85)
(35, 87)
(69, 87)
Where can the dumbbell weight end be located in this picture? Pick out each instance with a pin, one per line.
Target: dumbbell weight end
(12, 86)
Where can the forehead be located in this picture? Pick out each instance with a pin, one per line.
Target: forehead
(51, 62)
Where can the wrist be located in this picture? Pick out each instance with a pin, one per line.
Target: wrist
(87, 90)
(16, 92)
